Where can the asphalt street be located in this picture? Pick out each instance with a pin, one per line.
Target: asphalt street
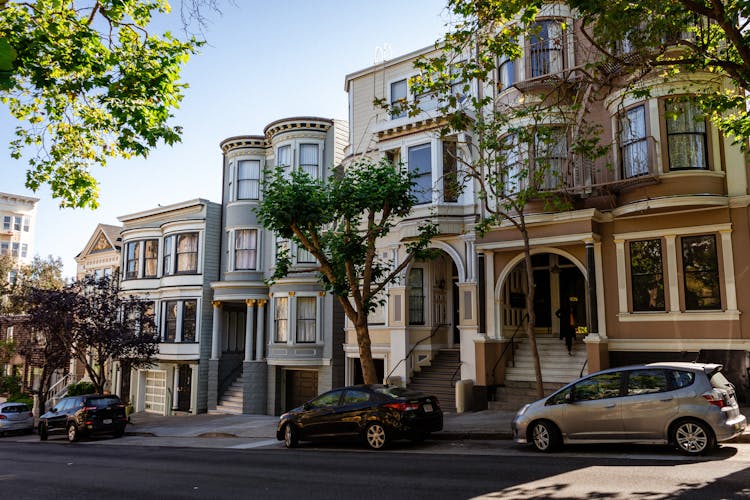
(436, 469)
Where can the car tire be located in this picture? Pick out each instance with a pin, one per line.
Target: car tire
(376, 436)
(291, 438)
(119, 432)
(72, 433)
(545, 436)
(692, 437)
(42, 432)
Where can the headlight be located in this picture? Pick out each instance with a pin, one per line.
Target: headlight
(522, 410)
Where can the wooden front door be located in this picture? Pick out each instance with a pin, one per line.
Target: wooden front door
(184, 387)
(301, 386)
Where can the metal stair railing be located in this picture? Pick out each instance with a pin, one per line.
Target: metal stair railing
(58, 390)
(408, 354)
(510, 345)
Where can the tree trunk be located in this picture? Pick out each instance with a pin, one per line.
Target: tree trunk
(365, 353)
(531, 323)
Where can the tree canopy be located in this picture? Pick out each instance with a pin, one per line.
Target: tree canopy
(339, 221)
(87, 84)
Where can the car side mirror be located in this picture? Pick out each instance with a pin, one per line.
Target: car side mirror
(568, 397)
(54, 410)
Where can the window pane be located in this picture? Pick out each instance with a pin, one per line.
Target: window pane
(132, 253)
(304, 257)
(189, 311)
(416, 296)
(281, 318)
(245, 245)
(546, 48)
(686, 132)
(551, 154)
(150, 257)
(308, 159)
(170, 324)
(248, 179)
(328, 399)
(187, 252)
(168, 244)
(420, 165)
(306, 318)
(633, 145)
(398, 99)
(646, 382)
(647, 279)
(606, 385)
(700, 267)
(506, 72)
(284, 156)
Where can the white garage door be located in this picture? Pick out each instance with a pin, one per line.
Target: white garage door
(156, 391)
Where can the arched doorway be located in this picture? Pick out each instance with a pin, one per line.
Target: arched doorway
(557, 278)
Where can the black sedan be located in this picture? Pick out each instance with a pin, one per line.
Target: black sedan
(376, 413)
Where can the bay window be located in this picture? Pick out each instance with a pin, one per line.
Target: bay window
(506, 72)
(167, 258)
(420, 166)
(308, 160)
(306, 319)
(633, 142)
(245, 249)
(284, 156)
(281, 319)
(150, 258)
(546, 48)
(132, 259)
(180, 319)
(248, 179)
(186, 253)
(450, 171)
(686, 135)
(550, 155)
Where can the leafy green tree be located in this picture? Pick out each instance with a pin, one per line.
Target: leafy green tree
(95, 324)
(41, 273)
(87, 84)
(340, 221)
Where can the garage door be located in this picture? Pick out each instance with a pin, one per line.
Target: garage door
(156, 391)
(301, 386)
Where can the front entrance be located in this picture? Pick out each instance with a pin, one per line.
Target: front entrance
(357, 370)
(184, 388)
(301, 386)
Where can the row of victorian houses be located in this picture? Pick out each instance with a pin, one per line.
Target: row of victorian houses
(654, 253)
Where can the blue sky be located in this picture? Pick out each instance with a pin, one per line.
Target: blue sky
(263, 61)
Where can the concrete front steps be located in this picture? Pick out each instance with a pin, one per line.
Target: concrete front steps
(558, 368)
(436, 379)
(231, 400)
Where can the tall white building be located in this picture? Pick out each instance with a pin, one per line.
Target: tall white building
(18, 219)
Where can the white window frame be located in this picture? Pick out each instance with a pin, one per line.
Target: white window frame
(235, 178)
(231, 247)
(292, 317)
(295, 148)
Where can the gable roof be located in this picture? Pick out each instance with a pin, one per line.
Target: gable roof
(105, 235)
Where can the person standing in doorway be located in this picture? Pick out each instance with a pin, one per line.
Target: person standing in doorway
(568, 323)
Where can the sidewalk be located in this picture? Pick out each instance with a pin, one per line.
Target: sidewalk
(486, 425)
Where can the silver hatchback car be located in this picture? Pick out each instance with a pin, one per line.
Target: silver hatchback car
(15, 417)
(690, 405)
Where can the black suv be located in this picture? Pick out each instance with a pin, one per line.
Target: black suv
(84, 415)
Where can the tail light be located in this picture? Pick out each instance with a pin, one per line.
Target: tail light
(402, 406)
(89, 408)
(3, 417)
(715, 398)
(31, 414)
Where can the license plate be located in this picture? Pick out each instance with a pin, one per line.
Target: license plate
(107, 421)
(427, 408)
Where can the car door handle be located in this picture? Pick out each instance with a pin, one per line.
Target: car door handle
(611, 405)
(665, 400)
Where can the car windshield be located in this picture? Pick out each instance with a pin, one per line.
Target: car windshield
(398, 392)
(102, 402)
(16, 409)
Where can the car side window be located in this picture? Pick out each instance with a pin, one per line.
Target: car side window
(602, 386)
(326, 400)
(646, 382)
(64, 404)
(353, 397)
(679, 379)
(559, 398)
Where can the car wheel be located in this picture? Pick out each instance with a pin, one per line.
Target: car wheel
(42, 432)
(119, 432)
(291, 440)
(692, 437)
(545, 436)
(72, 433)
(376, 436)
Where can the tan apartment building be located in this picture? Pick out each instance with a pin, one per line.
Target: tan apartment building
(652, 251)
(17, 216)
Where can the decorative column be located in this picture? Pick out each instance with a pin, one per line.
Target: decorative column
(175, 388)
(213, 363)
(489, 296)
(592, 318)
(254, 369)
(249, 328)
(597, 349)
